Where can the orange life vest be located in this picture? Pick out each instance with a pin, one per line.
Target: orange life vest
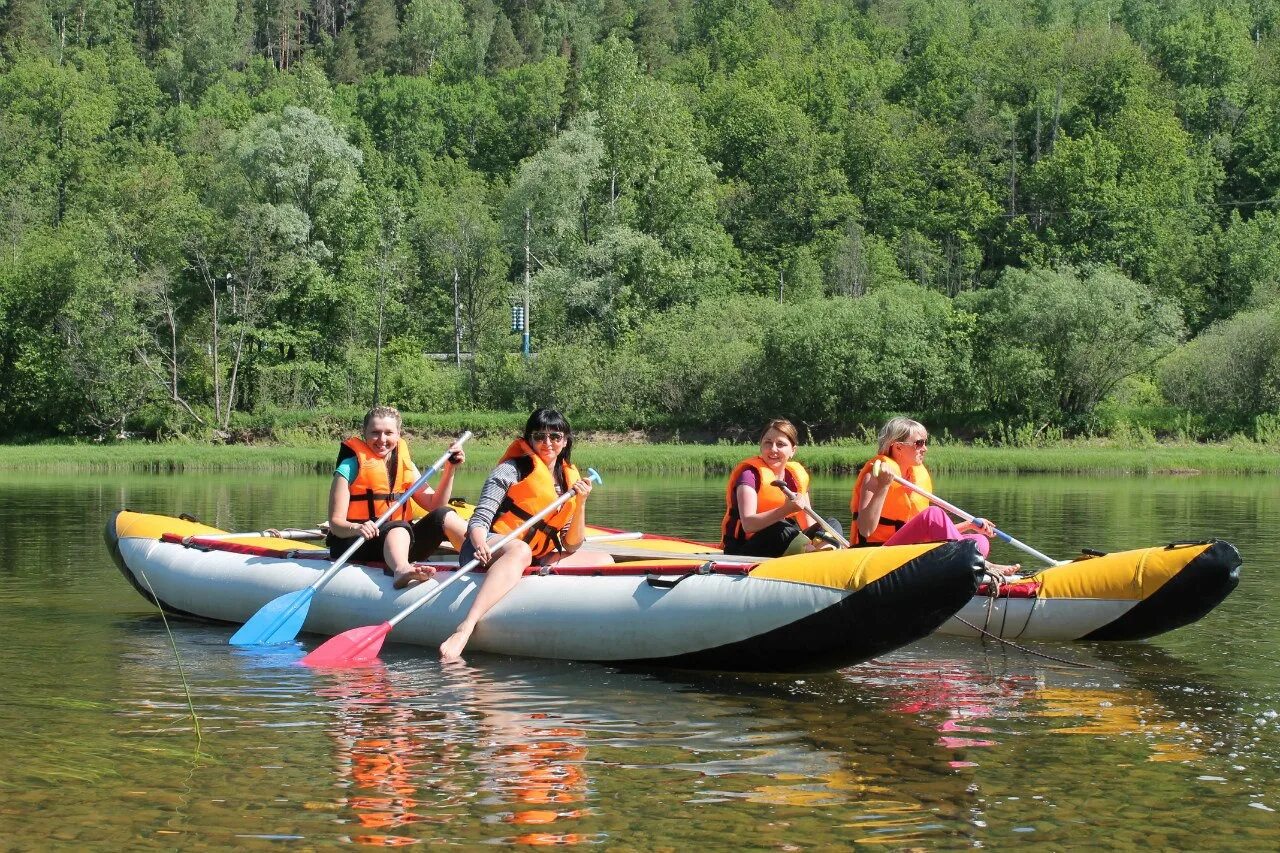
(532, 494)
(768, 496)
(900, 505)
(371, 490)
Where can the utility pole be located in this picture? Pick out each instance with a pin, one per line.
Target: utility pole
(780, 285)
(377, 355)
(457, 322)
(528, 317)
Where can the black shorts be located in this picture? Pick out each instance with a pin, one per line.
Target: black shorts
(467, 553)
(770, 542)
(425, 536)
(775, 539)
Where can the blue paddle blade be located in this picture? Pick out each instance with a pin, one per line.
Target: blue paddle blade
(277, 621)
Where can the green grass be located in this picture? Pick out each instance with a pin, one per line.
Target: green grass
(308, 455)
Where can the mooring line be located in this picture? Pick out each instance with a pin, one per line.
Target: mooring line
(182, 672)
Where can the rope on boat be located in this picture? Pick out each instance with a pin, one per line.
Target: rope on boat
(173, 644)
(985, 633)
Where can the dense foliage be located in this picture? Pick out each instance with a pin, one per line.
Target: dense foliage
(979, 212)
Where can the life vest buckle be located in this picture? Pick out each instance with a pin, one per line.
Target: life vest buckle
(543, 571)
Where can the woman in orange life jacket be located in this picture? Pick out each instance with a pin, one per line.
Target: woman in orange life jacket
(535, 470)
(886, 512)
(760, 520)
(371, 473)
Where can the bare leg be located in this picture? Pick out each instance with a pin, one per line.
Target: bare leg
(395, 550)
(580, 558)
(504, 573)
(455, 528)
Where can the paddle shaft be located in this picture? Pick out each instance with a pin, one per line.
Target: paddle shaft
(822, 522)
(287, 533)
(955, 510)
(693, 557)
(382, 519)
(615, 537)
(493, 550)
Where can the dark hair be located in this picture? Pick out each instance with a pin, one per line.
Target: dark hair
(549, 420)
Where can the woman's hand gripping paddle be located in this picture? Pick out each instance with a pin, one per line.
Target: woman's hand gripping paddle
(361, 645)
(822, 522)
(281, 618)
(955, 510)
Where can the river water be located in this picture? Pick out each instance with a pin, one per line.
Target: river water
(1172, 743)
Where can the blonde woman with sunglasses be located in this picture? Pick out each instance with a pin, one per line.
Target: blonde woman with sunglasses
(888, 513)
(535, 470)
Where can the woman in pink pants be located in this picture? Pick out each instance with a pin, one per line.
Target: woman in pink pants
(888, 513)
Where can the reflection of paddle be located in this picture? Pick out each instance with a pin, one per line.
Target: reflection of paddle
(955, 510)
(281, 618)
(361, 645)
(822, 522)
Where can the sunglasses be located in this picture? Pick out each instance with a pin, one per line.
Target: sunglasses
(919, 442)
(553, 437)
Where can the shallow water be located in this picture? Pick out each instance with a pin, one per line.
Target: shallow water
(1172, 743)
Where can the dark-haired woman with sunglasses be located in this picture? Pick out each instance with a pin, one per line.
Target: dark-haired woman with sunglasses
(887, 513)
(535, 470)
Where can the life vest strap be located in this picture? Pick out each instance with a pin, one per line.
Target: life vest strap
(539, 526)
(860, 540)
(371, 497)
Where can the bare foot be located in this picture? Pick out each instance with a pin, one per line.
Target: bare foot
(413, 574)
(1000, 569)
(451, 649)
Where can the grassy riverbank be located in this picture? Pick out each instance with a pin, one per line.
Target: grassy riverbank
(607, 454)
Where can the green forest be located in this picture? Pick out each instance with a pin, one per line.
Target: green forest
(1050, 217)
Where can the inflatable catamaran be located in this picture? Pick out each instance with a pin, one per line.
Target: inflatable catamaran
(664, 601)
(1123, 595)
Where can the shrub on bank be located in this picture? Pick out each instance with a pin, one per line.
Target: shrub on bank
(1231, 372)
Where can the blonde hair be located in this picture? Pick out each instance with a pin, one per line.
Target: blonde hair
(894, 430)
(785, 427)
(381, 412)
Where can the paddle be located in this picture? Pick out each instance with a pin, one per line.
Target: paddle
(822, 522)
(361, 645)
(709, 555)
(281, 618)
(286, 533)
(955, 510)
(615, 537)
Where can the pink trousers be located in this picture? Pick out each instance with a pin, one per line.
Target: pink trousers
(934, 525)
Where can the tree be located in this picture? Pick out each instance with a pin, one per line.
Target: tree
(433, 36)
(1056, 342)
(658, 182)
(1128, 194)
(286, 183)
(459, 243)
(57, 117)
(504, 51)
(1231, 372)
(376, 31)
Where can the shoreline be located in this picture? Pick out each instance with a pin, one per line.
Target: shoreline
(1185, 459)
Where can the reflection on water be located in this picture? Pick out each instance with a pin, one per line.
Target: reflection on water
(951, 743)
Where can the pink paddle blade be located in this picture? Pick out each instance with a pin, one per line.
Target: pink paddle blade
(350, 648)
